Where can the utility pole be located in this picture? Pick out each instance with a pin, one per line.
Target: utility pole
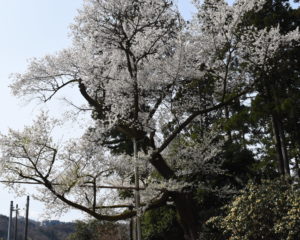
(26, 219)
(10, 219)
(16, 222)
(138, 233)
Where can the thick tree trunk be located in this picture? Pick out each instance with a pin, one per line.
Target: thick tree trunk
(183, 200)
(187, 217)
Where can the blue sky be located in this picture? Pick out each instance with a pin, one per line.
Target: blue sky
(29, 28)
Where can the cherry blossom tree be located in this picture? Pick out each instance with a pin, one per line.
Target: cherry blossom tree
(146, 75)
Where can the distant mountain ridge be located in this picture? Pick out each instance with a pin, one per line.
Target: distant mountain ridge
(45, 230)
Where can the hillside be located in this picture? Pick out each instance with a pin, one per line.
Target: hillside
(46, 230)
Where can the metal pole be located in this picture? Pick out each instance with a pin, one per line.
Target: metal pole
(16, 222)
(26, 219)
(9, 221)
(137, 192)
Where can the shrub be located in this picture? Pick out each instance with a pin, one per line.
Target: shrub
(270, 210)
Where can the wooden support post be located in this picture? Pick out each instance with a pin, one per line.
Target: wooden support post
(137, 193)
